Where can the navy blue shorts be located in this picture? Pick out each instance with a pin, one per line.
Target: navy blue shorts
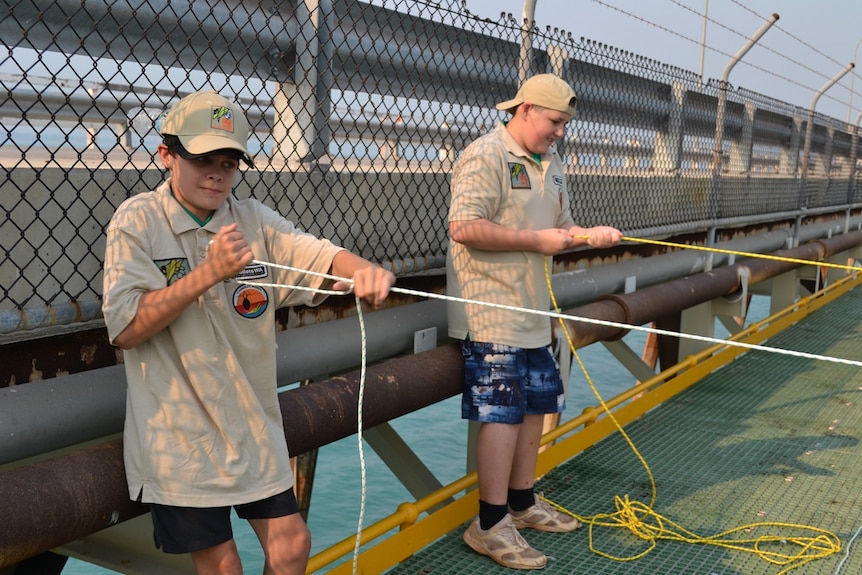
(187, 529)
(502, 384)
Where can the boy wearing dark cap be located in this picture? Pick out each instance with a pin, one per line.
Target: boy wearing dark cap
(203, 430)
(509, 211)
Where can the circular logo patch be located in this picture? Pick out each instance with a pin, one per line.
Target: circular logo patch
(250, 301)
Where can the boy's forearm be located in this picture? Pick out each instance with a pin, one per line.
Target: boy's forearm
(370, 281)
(486, 235)
(346, 263)
(158, 309)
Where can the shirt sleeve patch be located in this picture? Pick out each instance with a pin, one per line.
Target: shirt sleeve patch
(173, 268)
(519, 176)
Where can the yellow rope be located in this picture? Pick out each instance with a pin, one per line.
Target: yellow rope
(650, 526)
(737, 253)
(642, 521)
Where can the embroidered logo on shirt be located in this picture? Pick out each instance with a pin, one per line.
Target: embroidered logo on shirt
(250, 301)
(222, 119)
(253, 272)
(519, 177)
(558, 180)
(173, 268)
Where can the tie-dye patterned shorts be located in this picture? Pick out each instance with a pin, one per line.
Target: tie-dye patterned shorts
(503, 383)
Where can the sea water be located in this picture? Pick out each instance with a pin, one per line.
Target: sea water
(438, 436)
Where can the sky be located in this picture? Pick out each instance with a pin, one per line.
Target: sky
(808, 46)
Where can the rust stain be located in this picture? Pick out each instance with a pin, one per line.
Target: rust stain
(88, 353)
(35, 374)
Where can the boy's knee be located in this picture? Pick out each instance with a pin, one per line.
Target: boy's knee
(304, 540)
(290, 554)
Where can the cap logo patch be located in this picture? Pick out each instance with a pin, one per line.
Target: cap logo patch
(222, 119)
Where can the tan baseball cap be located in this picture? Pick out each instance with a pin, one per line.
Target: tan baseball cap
(545, 90)
(206, 122)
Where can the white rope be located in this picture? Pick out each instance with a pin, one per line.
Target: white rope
(552, 314)
(359, 410)
(360, 399)
(847, 551)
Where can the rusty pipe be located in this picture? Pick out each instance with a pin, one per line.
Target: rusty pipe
(655, 302)
(840, 243)
(645, 305)
(327, 411)
(55, 501)
(52, 502)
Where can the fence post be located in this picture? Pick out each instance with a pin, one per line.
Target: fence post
(668, 142)
(300, 128)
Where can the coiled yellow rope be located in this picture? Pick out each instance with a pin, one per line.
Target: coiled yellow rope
(649, 526)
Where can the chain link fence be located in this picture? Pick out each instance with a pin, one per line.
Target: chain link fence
(358, 113)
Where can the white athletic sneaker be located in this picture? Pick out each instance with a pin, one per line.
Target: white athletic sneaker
(504, 544)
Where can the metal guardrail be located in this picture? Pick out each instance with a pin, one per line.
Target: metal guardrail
(93, 105)
(111, 107)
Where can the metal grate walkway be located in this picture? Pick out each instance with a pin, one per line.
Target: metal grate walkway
(767, 438)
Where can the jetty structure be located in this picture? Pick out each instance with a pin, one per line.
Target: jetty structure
(358, 112)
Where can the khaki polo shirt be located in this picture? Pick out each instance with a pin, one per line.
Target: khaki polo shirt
(203, 425)
(497, 180)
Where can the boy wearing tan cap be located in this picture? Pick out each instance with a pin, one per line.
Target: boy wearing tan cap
(203, 430)
(509, 211)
